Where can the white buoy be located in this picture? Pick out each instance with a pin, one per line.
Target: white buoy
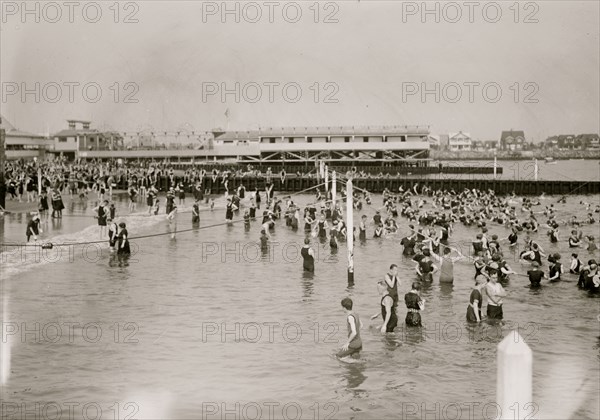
(350, 229)
(513, 387)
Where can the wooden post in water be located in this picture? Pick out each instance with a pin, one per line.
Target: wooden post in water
(350, 229)
(513, 386)
(535, 170)
(326, 170)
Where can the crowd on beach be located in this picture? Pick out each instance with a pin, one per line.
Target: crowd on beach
(430, 216)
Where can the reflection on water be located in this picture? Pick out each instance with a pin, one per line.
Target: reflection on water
(307, 283)
(354, 374)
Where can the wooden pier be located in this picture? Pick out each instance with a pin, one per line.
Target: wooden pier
(294, 184)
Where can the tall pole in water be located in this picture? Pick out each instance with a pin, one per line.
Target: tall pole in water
(2, 159)
(350, 229)
(333, 188)
(495, 165)
(39, 177)
(319, 171)
(535, 170)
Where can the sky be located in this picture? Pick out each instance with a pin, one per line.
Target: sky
(476, 67)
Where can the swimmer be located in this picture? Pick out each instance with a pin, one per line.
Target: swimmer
(308, 256)
(102, 214)
(476, 300)
(33, 228)
(574, 241)
(575, 264)
(591, 246)
(247, 220)
(495, 292)
(264, 240)
(535, 275)
(229, 209)
(196, 212)
(113, 230)
(122, 241)
(414, 304)
(354, 344)
(555, 269)
(425, 268)
(388, 310)
(447, 262)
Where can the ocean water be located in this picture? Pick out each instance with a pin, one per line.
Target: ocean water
(559, 170)
(205, 324)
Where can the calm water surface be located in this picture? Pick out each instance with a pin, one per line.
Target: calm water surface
(193, 325)
(559, 170)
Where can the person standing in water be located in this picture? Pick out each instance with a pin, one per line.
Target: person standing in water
(102, 215)
(392, 282)
(535, 275)
(414, 304)
(575, 264)
(308, 256)
(113, 230)
(195, 213)
(354, 344)
(555, 269)
(495, 292)
(476, 300)
(122, 241)
(33, 228)
(447, 262)
(388, 308)
(172, 218)
(362, 228)
(230, 208)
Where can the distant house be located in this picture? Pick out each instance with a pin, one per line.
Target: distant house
(459, 141)
(444, 142)
(482, 145)
(434, 141)
(74, 140)
(512, 140)
(573, 142)
(551, 142)
(589, 141)
(23, 145)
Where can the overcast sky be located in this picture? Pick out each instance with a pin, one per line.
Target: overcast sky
(367, 66)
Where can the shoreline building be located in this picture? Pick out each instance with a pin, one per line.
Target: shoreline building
(23, 145)
(459, 141)
(512, 140)
(74, 142)
(293, 146)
